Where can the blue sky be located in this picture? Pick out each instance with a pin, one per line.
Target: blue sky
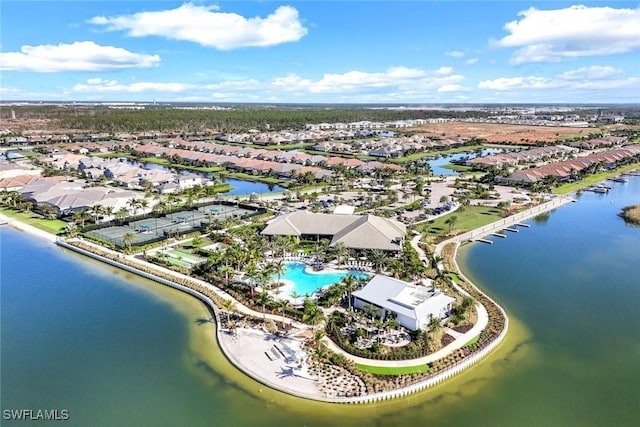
(325, 51)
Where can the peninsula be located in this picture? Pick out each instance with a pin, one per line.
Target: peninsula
(337, 267)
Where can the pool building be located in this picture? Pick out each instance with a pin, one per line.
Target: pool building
(413, 306)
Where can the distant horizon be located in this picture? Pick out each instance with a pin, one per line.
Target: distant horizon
(399, 105)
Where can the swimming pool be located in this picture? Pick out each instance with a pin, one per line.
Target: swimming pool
(305, 283)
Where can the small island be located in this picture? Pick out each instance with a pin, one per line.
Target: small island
(631, 214)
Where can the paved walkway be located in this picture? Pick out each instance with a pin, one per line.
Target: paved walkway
(459, 342)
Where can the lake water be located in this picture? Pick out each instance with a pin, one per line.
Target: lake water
(436, 164)
(240, 187)
(114, 349)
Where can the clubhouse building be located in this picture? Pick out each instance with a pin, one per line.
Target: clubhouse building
(413, 306)
(354, 231)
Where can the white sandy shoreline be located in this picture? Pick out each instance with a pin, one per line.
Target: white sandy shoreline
(27, 228)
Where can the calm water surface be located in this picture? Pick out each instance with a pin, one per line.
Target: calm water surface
(117, 350)
(436, 164)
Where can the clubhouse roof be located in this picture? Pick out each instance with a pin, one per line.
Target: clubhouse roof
(354, 231)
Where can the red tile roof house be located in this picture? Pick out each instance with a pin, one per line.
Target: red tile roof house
(339, 161)
(149, 149)
(370, 167)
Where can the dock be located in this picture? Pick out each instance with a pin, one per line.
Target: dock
(483, 241)
(499, 235)
(513, 230)
(504, 224)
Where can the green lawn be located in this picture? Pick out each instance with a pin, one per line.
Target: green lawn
(380, 370)
(593, 179)
(53, 226)
(472, 341)
(460, 168)
(471, 217)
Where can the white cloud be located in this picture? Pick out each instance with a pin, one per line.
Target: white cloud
(451, 88)
(585, 78)
(97, 85)
(593, 72)
(394, 84)
(454, 53)
(576, 31)
(472, 61)
(208, 27)
(508, 83)
(77, 56)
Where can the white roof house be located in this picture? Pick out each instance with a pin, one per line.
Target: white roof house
(414, 306)
(355, 231)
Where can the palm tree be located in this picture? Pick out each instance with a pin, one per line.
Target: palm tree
(341, 251)
(349, 282)
(128, 239)
(71, 229)
(312, 314)
(97, 210)
(196, 242)
(281, 243)
(253, 274)
(377, 257)
(122, 213)
(396, 268)
(160, 207)
(228, 306)
(263, 299)
(81, 217)
(278, 268)
(225, 269)
(283, 304)
(108, 212)
(133, 204)
(295, 295)
(434, 324)
(144, 204)
(451, 221)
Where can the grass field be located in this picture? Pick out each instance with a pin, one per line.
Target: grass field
(471, 217)
(53, 226)
(380, 370)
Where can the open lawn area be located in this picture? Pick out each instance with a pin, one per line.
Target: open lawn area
(53, 226)
(471, 217)
(381, 370)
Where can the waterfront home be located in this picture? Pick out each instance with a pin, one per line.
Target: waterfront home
(413, 306)
(354, 231)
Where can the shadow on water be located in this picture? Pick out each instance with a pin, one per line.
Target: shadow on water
(202, 321)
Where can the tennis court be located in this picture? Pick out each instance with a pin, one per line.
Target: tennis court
(154, 229)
